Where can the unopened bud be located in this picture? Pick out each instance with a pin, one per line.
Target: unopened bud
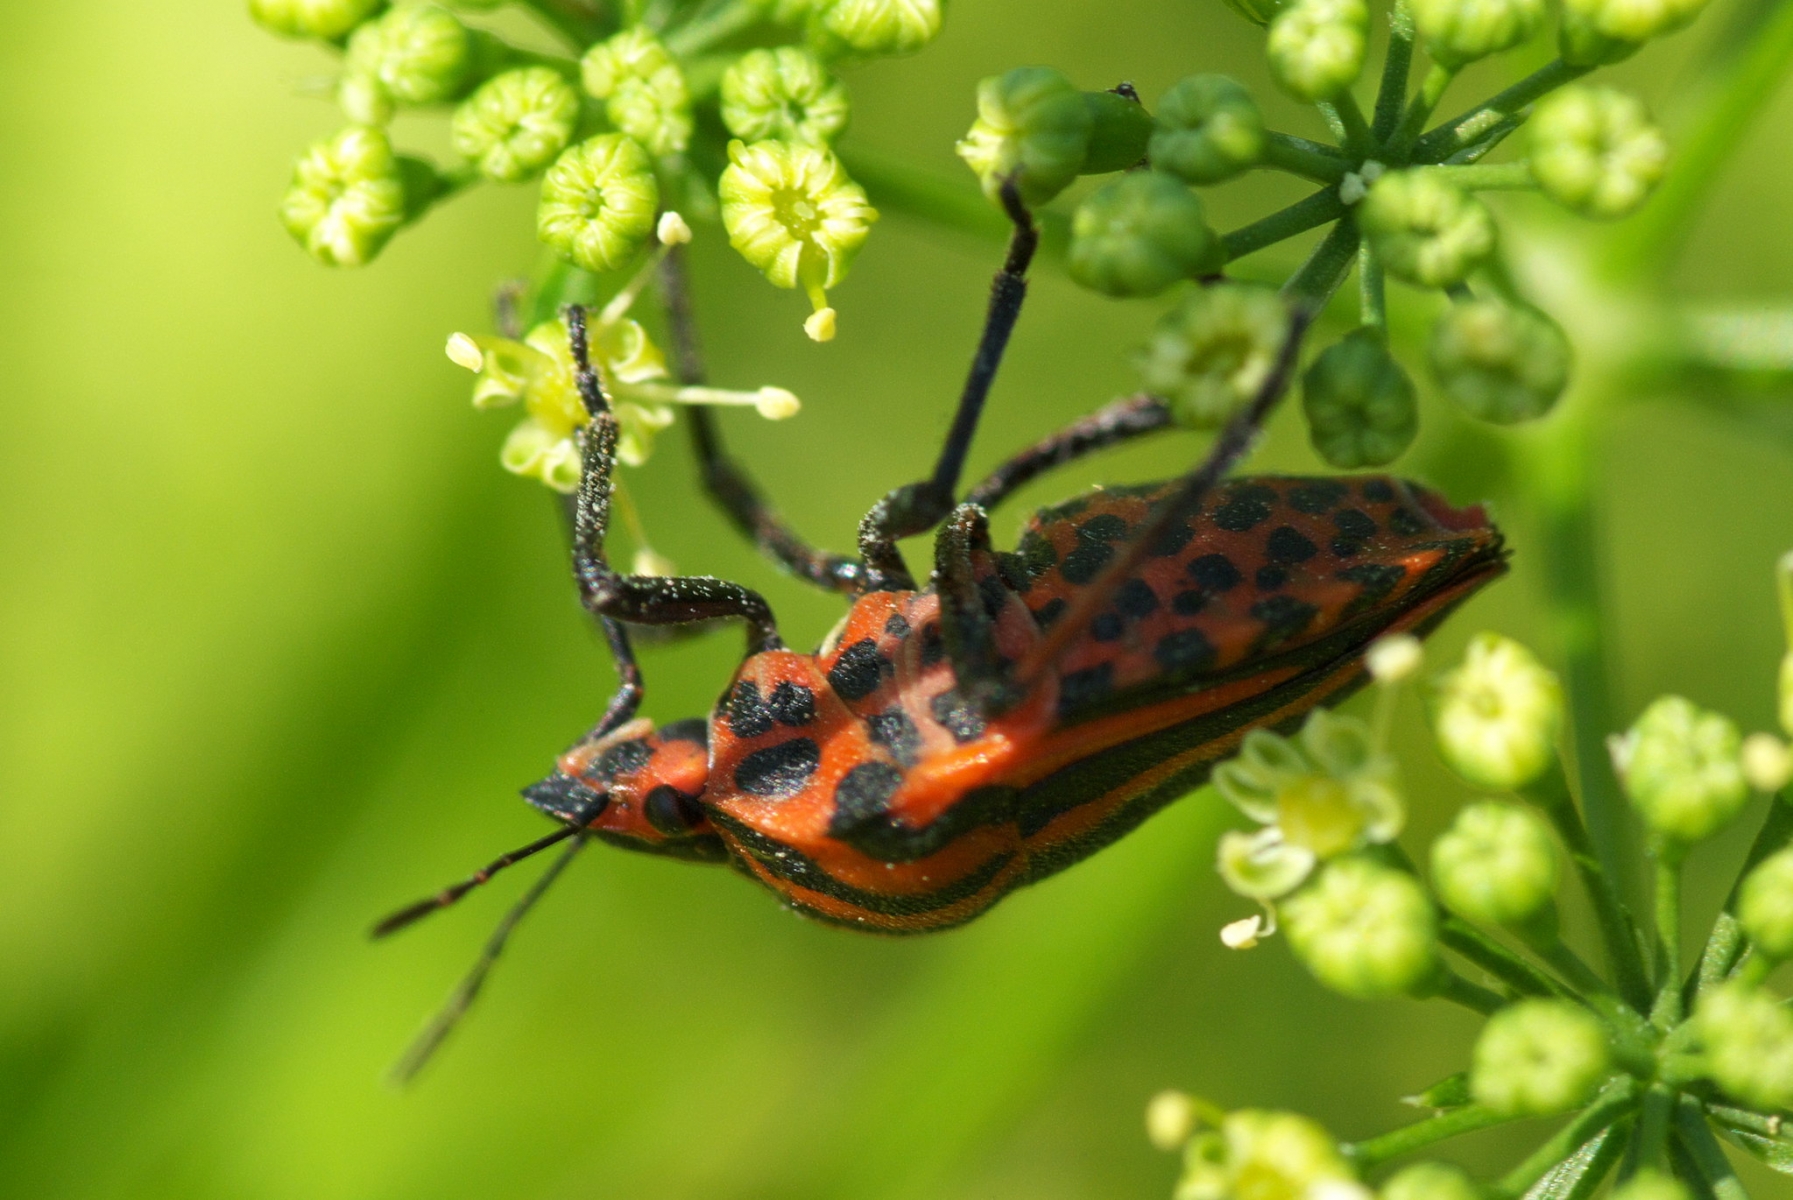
(1496, 865)
(1498, 714)
(1393, 658)
(420, 53)
(1120, 130)
(329, 19)
(1767, 762)
(1316, 47)
(1032, 127)
(672, 230)
(1498, 362)
(1681, 769)
(1430, 1181)
(644, 92)
(1360, 405)
(1211, 354)
(1209, 130)
(1170, 1119)
(1595, 151)
(347, 198)
(1426, 230)
(1364, 929)
(783, 93)
(776, 404)
(1746, 1035)
(516, 123)
(1539, 1057)
(598, 201)
(1595, 32)
(1264, 1155)
(1765, 906)
(1458, 33)
(884, 26)
(1140, 233)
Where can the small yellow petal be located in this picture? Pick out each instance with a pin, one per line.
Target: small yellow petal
(820, 325)
(463, 351)
(672, 230)
(776, 404)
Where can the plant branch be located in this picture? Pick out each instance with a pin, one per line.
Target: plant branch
(1373, 1152)
(1397, 63)
(1469, 127)
(1667, 1011)
(1419, 110)
(1615, 1100)
(1515, 176)
(1579, 1175)
(1707, 1155)
(1298, 156)
(1299, 217)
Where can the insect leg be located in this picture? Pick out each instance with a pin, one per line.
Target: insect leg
(1116, 422)
(969, 608)
(727, 485)
(639, 599)
(917, 507)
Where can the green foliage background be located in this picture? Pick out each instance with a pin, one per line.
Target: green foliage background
(278, 642)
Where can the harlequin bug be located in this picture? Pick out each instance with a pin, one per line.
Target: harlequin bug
(948, 743)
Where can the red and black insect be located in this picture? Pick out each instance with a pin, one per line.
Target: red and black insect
(948, 743)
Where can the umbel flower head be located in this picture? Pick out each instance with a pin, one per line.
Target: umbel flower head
(1746, 1042)
(1595, 151)
(1032, 128)
(1498, 714)
(1539, 1057)
(1496, 864)
(784, 93)
(347, 198)
(1605, 31)
(791, 211)
(1364, 930)
(1361, 407)
(881, 26)
(1209, 129)
(1425, 229)
(1499, 362)
(412, 54)
(643, 89)
(1140, 233)
(598, 201)
(1765, 906)
(1321, 794)
(312, 18)
(1263, 1155)
(1682, 768)
(516, 123)
(1316, 47)
(1457, 33)
(1211, 354)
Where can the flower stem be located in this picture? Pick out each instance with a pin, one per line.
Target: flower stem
(1579, 1175)
(1704, 1150)
(1667, 1012)
(1431, 91)
(1359, 141)
(1725, 946)
(1396, 64)
(1326, 267)
(1453, 987)
(1614, 1101)
(1649, 1144)
(1469, 127)
(1299, 217)
(1372, 297)
(1373, 1152)
(1489, 177)
(1298, 156)
(1496, 959)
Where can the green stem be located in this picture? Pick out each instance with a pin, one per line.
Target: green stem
(1749, 1122)
(1551, 793)
(1667, 1012)
(1465, 939)
(1579, 1175)
(1726, 944)
(1326, 267)
(1649, 1144)
(1614, 1101)
(1396, 65)
(1549, 946)
(716, 26)
(1469, 127)
(1482, 146)
(1431, 91)
(1453, 987)
(1707, 1155)
(1298, 156)
(1373, 1152)
(1299, 217)
(1515, 176)
(1360, 143)
(1372, 300)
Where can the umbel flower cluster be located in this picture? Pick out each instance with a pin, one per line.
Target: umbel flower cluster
(1647, 1063)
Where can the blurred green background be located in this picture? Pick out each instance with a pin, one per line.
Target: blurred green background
(279, 641)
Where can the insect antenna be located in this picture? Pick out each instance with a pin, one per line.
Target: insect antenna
(461, 999)
(412, 913)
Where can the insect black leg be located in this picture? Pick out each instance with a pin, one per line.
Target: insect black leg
(918, 507)
(969, 608)
(639, 599)
(728, 486)
(1116, 422)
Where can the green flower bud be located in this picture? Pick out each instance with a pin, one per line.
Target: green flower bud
(1427, 230)
(635, 53)
(784, 93)
(883, 26)
(1767, 762)
(420, 53)
(1747, 1038)
(1260, 1155)
(1430, 1181)
(1497, 716)
(1604, 31)
(1140, 233)
(1120, 129)
(1458, 32)
(364, 100)
(328, 19)
(1364, 929)
(1497, 362)
(791, 211)
(598, 202)
(1651, 1184)
(347, 198)
(1209, 130)
(1171, 1116)
(1765, 906)
(1681, 767)
(1595, 151)
(1360, 405)
(1539, 1057)
(1316, 47)
(1211, 354)
(644, 92)
(1032, 126)
(1496, 865)
(516, 123)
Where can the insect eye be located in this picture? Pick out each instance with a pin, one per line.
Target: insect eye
(566, 798)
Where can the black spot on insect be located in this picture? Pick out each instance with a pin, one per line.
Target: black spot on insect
(621, 759)
(859, 670)
(1246, 507)
(863, 796)
(691, 729)
(1345, 547)
(1376, 579)
(933, 645)
(1269, 577)
(1085, 687)
(1354, 523)
(1037, 552)
(779, 772)
(1283, 618)
(1184, 650)
(1049, 612)
(1188, 603)
(1287, 544)
(671, 811)
(896, 626)
(1106, 627)
(1014, 571)
(1135, 598)
(792, 704)
(1406, 522)
(1094, 549)
(1377, 491)
(958, 716)
(993, 594)
(1214, 572)
(1172, 540)
(746, 714)
(1316, 496)
(893, 729)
